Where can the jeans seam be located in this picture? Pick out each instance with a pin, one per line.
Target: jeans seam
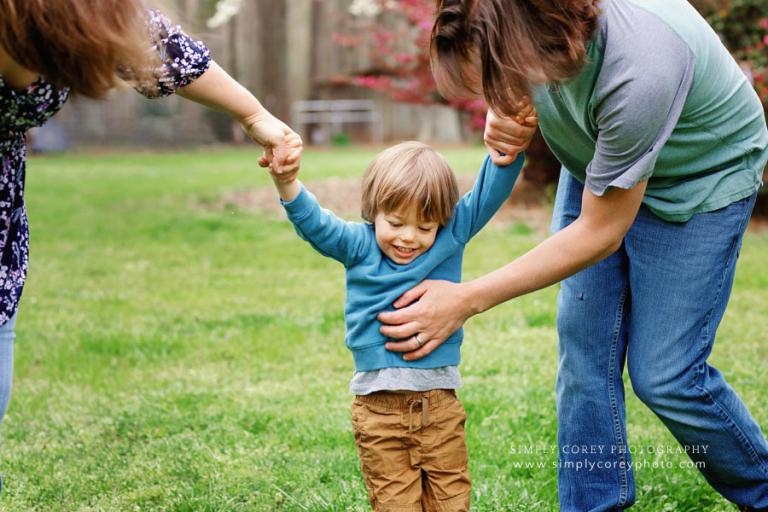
(619, 438)
(736, 431)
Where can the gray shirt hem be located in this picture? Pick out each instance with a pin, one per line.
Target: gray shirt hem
(405, 379)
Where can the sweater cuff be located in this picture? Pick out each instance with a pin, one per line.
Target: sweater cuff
(515, 165)
(300, 205)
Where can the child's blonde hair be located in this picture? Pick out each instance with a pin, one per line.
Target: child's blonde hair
(410, 173)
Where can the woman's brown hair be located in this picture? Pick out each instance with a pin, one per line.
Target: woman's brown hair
(86, 45)
(512, 43)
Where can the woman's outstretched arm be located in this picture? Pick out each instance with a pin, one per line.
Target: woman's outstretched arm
(219, 91)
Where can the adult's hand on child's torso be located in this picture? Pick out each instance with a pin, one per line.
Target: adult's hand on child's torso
(430, 313)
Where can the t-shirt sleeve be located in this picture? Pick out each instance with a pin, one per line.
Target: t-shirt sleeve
(182, 58)
(640, 94)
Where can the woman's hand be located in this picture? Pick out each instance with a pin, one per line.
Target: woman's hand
(506, 137)
(219, 91)
(287, 185)
(423, 326)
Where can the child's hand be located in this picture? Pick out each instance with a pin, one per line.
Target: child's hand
(283, 163)
(275, 137)
(284, 160)
(527, 114)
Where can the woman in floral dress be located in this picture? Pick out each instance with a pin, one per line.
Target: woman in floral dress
(53, 49)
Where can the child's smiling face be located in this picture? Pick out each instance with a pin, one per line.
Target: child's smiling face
(402, 236)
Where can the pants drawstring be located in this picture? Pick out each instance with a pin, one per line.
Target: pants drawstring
(424, 413)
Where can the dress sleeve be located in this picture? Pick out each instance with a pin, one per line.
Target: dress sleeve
(639, 97)
(182, 59)
(491, 190)
(326, 233)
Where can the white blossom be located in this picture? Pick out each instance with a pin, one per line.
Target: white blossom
(366, 8)
(225, 9)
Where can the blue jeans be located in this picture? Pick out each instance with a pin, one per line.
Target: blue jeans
(655, 304)
(7, 334)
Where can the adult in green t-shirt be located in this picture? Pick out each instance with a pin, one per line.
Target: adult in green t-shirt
(663, 144)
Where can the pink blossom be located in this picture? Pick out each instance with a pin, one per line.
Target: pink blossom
(764, 23)
(398, 54)
(404, 58)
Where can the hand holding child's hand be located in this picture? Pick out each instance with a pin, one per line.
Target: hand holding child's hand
(282, 146)
(284, 160)
(506, 137)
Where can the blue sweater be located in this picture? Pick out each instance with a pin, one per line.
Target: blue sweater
(374, 281)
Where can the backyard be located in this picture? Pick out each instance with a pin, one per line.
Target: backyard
(180, 348)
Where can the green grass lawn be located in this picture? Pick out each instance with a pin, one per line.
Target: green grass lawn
(175, 356)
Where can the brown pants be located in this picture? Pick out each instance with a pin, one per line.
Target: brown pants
(412, 450)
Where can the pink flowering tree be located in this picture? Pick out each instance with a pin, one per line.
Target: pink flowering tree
(399, 57)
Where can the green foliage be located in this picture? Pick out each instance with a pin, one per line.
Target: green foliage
(179, 353)
(340, 139)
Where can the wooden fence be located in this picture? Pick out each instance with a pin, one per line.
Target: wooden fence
(283, 51)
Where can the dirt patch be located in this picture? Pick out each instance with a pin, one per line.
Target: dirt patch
(528, 203)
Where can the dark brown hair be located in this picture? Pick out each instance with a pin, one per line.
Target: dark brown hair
(509, 44)
(407, 175)
(86, 45)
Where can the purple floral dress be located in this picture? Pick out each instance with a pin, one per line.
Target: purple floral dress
(184, 59)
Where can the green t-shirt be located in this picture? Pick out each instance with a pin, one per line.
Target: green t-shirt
(660, 99)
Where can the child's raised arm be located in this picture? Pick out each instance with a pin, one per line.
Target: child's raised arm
(346, 242)
(491, 190)
(493, 185)
(325, 232)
